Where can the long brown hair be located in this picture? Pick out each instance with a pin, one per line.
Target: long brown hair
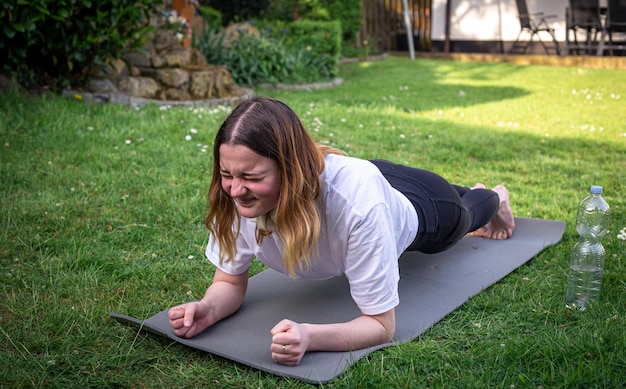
(271, 129)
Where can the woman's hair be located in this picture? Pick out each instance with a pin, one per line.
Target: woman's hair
(271, 129)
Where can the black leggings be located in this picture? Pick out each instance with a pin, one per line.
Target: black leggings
(446, 212)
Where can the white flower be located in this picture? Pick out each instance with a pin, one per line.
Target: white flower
(193, 131)
(128, 141)
(187, 137)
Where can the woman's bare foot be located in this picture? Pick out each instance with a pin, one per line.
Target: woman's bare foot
(502, 225)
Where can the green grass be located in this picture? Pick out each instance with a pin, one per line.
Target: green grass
(102, 210)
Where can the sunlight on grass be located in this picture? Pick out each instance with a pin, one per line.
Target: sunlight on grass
(103, 210)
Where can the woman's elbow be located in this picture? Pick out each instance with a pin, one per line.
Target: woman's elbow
(387, 321)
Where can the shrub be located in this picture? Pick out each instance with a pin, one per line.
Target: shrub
(55, 42)
(212, 16)
(302, 51)
(291, 10)
(251, 58)
(348, 13)
(324, 38)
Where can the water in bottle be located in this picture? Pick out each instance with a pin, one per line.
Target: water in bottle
(587, 261)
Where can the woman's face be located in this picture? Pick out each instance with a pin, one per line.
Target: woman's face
(252, 180)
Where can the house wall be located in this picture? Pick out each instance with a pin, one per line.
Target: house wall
(491, 22)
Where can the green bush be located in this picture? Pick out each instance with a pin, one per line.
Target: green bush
(324, 38)
(250, 58)
(212, 16)
(290, 10)
(55, 42)
(303, 51)
(348, 13)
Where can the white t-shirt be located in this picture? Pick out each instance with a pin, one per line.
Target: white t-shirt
(366, 225)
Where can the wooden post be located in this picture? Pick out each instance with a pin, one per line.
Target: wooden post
(186, 10)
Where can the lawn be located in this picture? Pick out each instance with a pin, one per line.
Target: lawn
(102, 210)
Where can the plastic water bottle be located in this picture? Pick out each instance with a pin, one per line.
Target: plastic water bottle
(587, 261)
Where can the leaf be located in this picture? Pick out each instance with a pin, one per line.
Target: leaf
(63, 13)
(8, 31)
(18, 27)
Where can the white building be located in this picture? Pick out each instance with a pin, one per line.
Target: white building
(492, 25)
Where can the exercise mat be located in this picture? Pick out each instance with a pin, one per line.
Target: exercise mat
(431, 286)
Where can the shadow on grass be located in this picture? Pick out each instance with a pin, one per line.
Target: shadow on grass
(425, 90)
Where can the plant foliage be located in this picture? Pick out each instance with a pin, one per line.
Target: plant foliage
(346, 12)
(238, 11)
(55, 42)
(302, 51)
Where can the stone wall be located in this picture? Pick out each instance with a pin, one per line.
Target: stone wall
(164, 70)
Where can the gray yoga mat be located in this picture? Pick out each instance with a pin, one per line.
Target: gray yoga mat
(431, 286)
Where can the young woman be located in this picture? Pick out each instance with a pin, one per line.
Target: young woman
(313, 213)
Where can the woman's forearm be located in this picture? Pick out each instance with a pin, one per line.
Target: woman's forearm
(291, 340)
(225, 295)
(361, 332)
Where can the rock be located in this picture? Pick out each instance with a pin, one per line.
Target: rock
(199, 84)
(162, 70)
(139, 58)
(198, 59)
(114, 70)
(178, 58)
(165, 40)
(140, 87)
(158, 61)
(147, 72)
(176, 94)
(134, 71)
(173, 77)
(118, 69)
(100, 85)
(215, 81)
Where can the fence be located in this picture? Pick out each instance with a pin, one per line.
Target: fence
(383, 23)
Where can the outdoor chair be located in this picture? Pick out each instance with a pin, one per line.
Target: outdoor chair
(615, 22)
(534, 24)
(582, 16)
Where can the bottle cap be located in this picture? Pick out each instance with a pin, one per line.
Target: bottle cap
(596, 189)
